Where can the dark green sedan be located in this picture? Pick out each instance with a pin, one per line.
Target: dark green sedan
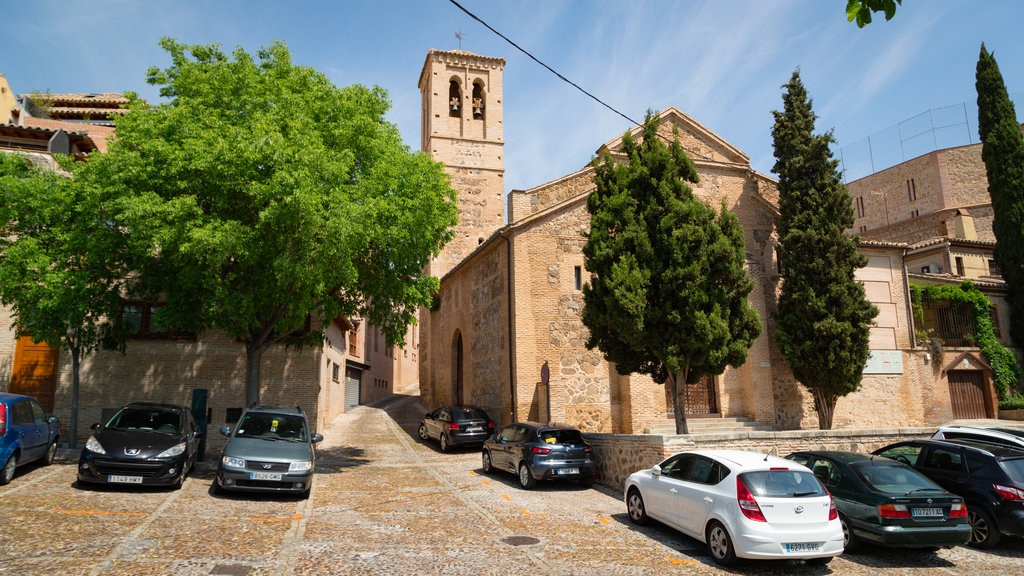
(888, 503)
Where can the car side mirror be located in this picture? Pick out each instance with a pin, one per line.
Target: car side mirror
(316, 438)
(95, 427)
(656, 470)
(225, 430)
(53, 419)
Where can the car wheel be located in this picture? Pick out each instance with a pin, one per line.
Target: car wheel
(485, 461)
(635, 507)
(444, 443)
(423, 432)
(7, 472)
(720, 545)
(586, 481)
(850, 541)
(526, 480)
(984, 532)
(51, 453)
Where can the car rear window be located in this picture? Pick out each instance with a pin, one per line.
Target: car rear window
(1014, 468)
(468, 414)
(891, 479)
(782, 483)
(560, 436)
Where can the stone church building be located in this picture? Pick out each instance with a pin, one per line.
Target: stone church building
(506, 334)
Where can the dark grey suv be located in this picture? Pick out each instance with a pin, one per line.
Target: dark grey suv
(270, 450)
(536, 451)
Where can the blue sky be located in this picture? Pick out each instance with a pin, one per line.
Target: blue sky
(893, 88)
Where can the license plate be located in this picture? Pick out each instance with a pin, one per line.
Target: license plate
(926, 512)
(567, 471)
(125, 479)
(475, 429)
(264, 476)
(803, 547)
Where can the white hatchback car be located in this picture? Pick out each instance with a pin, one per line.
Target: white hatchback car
(741, 504)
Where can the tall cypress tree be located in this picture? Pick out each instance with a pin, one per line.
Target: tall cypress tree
(669, 292)
(1003, 153)
(823, 317)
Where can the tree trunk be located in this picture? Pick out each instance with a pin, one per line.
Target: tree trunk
(76, 353)
(678, 402)
(825, 406)
(253, 358)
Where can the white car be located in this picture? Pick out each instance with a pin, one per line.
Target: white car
(741, 504)
(1002, 435)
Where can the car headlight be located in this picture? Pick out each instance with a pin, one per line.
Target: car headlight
(300, 466)
(93, 445)
(172, 451)
(232, 462)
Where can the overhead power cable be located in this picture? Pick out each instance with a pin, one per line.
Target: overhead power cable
(532, 57)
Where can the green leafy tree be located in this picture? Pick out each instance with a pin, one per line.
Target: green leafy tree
(56, 270)
(823, 318)
(263, 201)
(861, 10)
(1002, 150)
(669, 292)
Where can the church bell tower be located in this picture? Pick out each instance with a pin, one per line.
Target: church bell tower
(462, 127)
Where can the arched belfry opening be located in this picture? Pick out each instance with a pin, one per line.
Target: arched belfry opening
(454, 98)
(478, 100)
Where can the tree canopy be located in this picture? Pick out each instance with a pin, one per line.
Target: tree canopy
(263, 201)
(59, 269)
(823, 317)
(668, 297)
(1002, 150)
(862, 10)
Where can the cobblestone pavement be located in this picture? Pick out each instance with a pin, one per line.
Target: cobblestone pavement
(383, 502)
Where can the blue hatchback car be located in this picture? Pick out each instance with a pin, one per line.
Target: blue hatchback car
(27, 434)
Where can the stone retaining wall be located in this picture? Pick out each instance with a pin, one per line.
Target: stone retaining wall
(619, 455)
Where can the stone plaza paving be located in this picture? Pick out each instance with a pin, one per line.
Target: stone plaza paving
(383, 502)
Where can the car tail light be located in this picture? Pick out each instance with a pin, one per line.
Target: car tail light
(893, 511)
(747, 503)
(1009, 492)
(833, 512)
(958, 511)
(453, 426)
(3, 418)
(540, 450)
(588, 449)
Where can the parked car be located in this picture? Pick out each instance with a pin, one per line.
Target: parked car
(455, 426)
(989, 477)
(886, 502)
(143, 443)
(741, 504)
(535, 451)
(1004, 435)
(269, 450)
(27, 434)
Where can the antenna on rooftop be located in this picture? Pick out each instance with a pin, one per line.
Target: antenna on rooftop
(459, 35)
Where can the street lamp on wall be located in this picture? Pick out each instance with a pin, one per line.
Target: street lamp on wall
(885, 200)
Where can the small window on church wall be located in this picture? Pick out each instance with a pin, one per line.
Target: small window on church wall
(454, 99)
(578, 277)
(478, 101)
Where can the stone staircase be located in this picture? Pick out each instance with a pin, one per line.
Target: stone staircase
(667, 426)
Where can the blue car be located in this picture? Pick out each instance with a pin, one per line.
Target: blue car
(26, 434)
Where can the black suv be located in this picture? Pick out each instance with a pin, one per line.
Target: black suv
(457, 426)
(536, 451)
(989, 477)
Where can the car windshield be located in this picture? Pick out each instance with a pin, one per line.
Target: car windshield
(782, 483)
(891, 479)
(272, 427)
(560, 437)
(146, 418)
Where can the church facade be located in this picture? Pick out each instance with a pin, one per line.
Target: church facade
(506, 333)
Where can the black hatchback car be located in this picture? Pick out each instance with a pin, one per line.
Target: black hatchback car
(988, 476)
(455, 426)
(886, 502)
(143, 443)
(536, 451)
